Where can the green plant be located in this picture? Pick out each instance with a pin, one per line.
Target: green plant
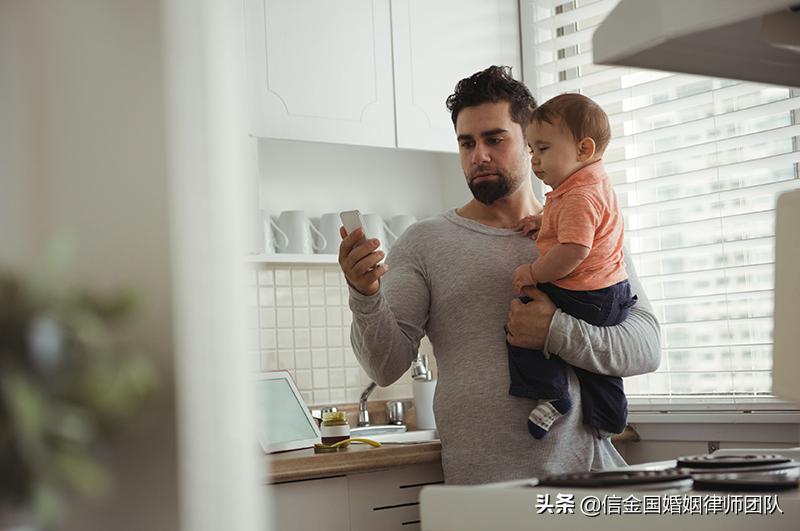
(67, 384)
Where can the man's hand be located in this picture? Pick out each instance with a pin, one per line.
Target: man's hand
(359, 264)
(530, 224)
(523, 276)
(529, 323)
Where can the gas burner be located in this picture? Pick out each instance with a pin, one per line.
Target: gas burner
(746, 481)
(730, 461)
(739, 464)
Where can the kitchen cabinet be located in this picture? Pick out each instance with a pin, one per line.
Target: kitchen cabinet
(389, 500)
(316, 504)
(370, 72)
(434, 45)
(320, 70)
(386, 499)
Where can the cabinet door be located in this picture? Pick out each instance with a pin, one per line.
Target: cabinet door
(314, 504)
(389, 500)
(435, 44)
(321, 70)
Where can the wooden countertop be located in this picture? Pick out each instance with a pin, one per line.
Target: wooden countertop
(358, 457)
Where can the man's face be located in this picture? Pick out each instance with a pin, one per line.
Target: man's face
(554, 153)
(494, 154)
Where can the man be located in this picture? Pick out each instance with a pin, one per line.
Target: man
(450, 277)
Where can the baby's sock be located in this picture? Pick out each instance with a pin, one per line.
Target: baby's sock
(545, 414)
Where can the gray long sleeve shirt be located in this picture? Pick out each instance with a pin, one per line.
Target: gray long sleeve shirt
(450, 277)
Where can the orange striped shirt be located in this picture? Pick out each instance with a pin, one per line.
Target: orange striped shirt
(584, 210)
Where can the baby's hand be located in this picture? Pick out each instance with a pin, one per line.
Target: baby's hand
(530, 224)
(522, 277)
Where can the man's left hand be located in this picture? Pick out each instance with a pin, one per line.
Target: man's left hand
(528, 324)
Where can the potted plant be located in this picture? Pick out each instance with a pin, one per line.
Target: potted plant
(67, 385)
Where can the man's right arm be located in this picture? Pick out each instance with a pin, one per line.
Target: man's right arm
(388, 323)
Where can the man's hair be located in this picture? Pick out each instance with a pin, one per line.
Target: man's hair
(578, 115)
(493, 85)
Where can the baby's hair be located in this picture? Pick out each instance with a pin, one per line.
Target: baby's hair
(578, 115)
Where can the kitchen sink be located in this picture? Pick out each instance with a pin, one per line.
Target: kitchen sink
(394, 434)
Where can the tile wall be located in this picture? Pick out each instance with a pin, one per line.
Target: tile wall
(300, 322)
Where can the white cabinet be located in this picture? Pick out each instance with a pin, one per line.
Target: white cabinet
(434, 45)
(315, 504)
(320, 70)
(370, 72)
(387, 500)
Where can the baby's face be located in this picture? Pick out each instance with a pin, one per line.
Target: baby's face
(554, 153)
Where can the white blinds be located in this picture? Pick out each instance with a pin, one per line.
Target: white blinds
(697, 164)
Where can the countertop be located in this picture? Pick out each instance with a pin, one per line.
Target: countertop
(304, 464)
(358, 457)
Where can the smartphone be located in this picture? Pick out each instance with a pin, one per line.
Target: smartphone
(352, 220)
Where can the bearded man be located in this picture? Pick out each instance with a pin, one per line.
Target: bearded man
(450, 277)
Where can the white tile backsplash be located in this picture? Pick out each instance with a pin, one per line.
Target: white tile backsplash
(303, 322)
(266, 297)
(266, 277)
(282, 277)
(266, 318)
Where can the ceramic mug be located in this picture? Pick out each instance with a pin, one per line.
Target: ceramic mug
(376, 228)
(269, 240)
(299, 229)
(400, 223)
(329, 225)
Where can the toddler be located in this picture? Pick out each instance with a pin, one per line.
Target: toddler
(580, 266)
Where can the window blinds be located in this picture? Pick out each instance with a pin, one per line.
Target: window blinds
(697, 164)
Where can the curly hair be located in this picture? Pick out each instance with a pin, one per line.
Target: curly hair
(578, 115)
(493, 85)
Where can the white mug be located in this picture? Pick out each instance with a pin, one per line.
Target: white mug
(376, 228)
(400, 223)
(329, 225)
(298, 229)
(269, 242)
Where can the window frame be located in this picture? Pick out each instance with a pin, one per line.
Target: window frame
(693, 409)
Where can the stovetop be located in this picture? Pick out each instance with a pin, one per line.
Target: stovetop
(730, 490)
(727, 472)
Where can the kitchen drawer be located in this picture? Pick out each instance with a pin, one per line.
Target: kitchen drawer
(389, 500)
(313, 504)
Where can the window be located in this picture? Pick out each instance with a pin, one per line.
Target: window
(698, 164)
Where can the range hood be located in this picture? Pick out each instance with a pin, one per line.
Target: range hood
(751, 40)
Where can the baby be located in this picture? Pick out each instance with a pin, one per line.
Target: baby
(580, 266)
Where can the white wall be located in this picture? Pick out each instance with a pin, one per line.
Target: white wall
(321, 178)
(17, 182)
(118, 127)
(82, 144)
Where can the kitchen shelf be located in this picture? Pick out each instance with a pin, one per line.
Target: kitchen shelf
(290, 258)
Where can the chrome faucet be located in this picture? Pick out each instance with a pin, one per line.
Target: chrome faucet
(363, 414)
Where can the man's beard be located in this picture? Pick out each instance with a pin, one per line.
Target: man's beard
(487, 192)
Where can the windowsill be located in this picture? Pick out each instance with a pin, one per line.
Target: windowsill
(719, 404)
(752, 419)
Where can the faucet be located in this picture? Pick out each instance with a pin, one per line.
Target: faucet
(363, 414)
